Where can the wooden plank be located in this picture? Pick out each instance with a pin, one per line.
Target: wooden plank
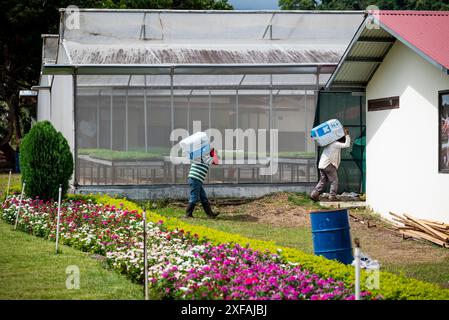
(435, 233)
(432, 221)
(435, 225)
(422, 235)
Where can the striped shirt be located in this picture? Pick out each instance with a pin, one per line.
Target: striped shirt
(199, 170)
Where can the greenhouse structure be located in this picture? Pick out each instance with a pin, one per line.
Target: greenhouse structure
(121, 84)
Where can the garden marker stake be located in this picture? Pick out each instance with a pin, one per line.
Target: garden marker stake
(59, 214)
(9, 184)
(145, 258)
(357, 268)
(20, 204)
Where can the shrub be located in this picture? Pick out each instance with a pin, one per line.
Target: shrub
(45, 161)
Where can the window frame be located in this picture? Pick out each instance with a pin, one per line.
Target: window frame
(440, 107)
(371, 108)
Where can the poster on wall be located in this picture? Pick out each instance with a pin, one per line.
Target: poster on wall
(444, 132)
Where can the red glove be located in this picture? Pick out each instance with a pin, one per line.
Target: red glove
(214, 155)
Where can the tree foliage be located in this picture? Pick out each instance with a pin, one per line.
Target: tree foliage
(363, 4)
(45, 161)
(21, 25)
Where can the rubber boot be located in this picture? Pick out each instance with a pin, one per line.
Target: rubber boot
(208, 210)
(189, 210)
(315, 196)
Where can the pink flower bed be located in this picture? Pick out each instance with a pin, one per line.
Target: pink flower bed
(181, 266)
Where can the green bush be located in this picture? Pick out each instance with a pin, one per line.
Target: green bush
(45, 161)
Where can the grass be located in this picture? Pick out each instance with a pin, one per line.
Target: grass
(298, 238)
(436, 272)
(15, 182)
(158, 153)
(113, 155)
(30, 269)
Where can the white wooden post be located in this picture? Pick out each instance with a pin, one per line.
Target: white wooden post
(357, 269)
(145, 257)
(9, 183)
(20, 204)
(58, 219)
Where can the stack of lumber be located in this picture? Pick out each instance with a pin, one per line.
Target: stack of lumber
(424, 229)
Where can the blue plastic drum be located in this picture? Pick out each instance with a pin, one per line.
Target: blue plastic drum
(331, 235)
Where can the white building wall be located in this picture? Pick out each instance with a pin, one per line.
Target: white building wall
(402, 144)
(43, 100)
(62, 108)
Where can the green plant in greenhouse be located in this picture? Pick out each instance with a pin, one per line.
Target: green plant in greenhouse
(45, 161)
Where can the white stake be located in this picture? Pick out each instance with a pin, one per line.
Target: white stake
(20, 204)
(357, 269)
(145, 258)
(59, 214)
(9, 183)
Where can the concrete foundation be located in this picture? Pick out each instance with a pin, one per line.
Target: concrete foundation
(182, 191)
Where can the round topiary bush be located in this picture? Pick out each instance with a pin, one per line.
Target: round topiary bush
(45, 161)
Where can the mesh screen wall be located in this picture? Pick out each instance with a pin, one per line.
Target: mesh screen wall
(124, 123)
(350, 110)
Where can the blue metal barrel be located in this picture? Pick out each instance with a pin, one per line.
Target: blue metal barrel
(331, 235)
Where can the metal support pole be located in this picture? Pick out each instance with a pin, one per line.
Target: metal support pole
(20, 205)
(98, 119)
(270, 113)
(145, 256)
(145, 115)
(9, 183)
(111, 119)
(210, 110)
(75, 132)
(306, 130)
(172, 118)
(58, 219)
(126, 120)
(357, 268)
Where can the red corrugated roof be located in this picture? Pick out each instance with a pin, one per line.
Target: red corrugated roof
(428, 31)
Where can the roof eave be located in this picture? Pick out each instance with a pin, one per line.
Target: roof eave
(346, 53)
(167, 69)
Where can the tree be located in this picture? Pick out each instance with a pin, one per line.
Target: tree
(363, 4)
(297, 4)
(21, 26)
(45, 161)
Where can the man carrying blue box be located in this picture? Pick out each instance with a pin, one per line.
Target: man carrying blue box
(197, 174)
(197, 149)
(328, 165)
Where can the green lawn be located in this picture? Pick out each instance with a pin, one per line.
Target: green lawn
(15, 182)
(30, 269)
(299, 238)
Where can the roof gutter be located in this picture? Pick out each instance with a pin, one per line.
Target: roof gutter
(219, 11)
(161, 69)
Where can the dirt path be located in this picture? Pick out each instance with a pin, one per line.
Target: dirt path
(378, 242)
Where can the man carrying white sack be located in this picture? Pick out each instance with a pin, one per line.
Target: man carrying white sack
(197, 174)
(328, 166)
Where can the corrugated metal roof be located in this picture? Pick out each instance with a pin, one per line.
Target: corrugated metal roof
(176, 54)
(426, 32)
(152, 37)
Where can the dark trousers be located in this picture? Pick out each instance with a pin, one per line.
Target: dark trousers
(197, 192)
(329, 174)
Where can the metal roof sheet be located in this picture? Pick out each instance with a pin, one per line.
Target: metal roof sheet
(426, 32)
(161, 37)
